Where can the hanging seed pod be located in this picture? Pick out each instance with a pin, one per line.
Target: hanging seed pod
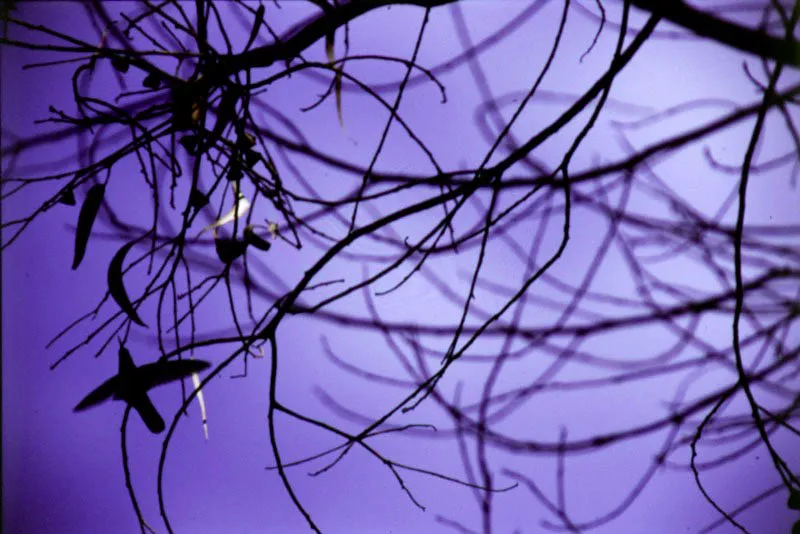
(259, 20)
(245, 140)
(251, 157)
(228, 249)
(116, 287)
(120, 63)
(152, 81)
(235, 173)
(190, 143)
(89, 209)
(252, 238)
(226, 112)
(67, 197)
(794, 500)
(197, 199)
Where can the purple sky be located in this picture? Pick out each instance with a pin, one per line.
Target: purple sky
(62, 472)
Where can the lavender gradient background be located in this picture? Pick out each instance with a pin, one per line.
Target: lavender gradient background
(62, 472)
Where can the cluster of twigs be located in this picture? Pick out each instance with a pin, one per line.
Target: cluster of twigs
(193, 112)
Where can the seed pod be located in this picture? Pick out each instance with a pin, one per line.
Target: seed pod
(252, 238)
(228, 249)
(197, 199)
(794, 500)
(189, 142)
(67, 197)
(226, 112)
(89, 209)
(235, 173)
(120, 63)
(152, 81)
(244, 140)
(251, 157)
(185, 107)
(116, 287)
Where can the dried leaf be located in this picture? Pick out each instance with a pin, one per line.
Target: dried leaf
(241, 207)
(197, 112)
(202, 401)
(116, 287)
(337, 79)
(89, 209)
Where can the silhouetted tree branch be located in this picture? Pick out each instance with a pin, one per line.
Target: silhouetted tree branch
(515, 264)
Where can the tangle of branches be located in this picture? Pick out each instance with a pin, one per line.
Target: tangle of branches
(285, 168)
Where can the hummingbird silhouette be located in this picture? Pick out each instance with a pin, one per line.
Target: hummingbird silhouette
(132, 383)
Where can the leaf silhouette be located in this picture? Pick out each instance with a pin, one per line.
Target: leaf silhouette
(132, 380)
(252, 238)
(235, 173)
(116, 287)
(132, 383)
(794, 500)
(89, 209)
(242, 205)
(152, 81)
(147, 411)
(226, 112)
(228, 249)
(197, 199)
(244, 140)
(256, 26)
(120, 63)
(190, 143)
(337, 78)
(251, 157)
(103, 392)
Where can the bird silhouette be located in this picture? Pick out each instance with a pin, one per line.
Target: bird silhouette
(132, 383)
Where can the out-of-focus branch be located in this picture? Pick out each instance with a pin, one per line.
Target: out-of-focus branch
(740, 37)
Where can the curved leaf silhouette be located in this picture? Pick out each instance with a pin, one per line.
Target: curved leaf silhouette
(116, 287)
(89, 209)
(239, 209)
(132, 383)
(252, 238)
